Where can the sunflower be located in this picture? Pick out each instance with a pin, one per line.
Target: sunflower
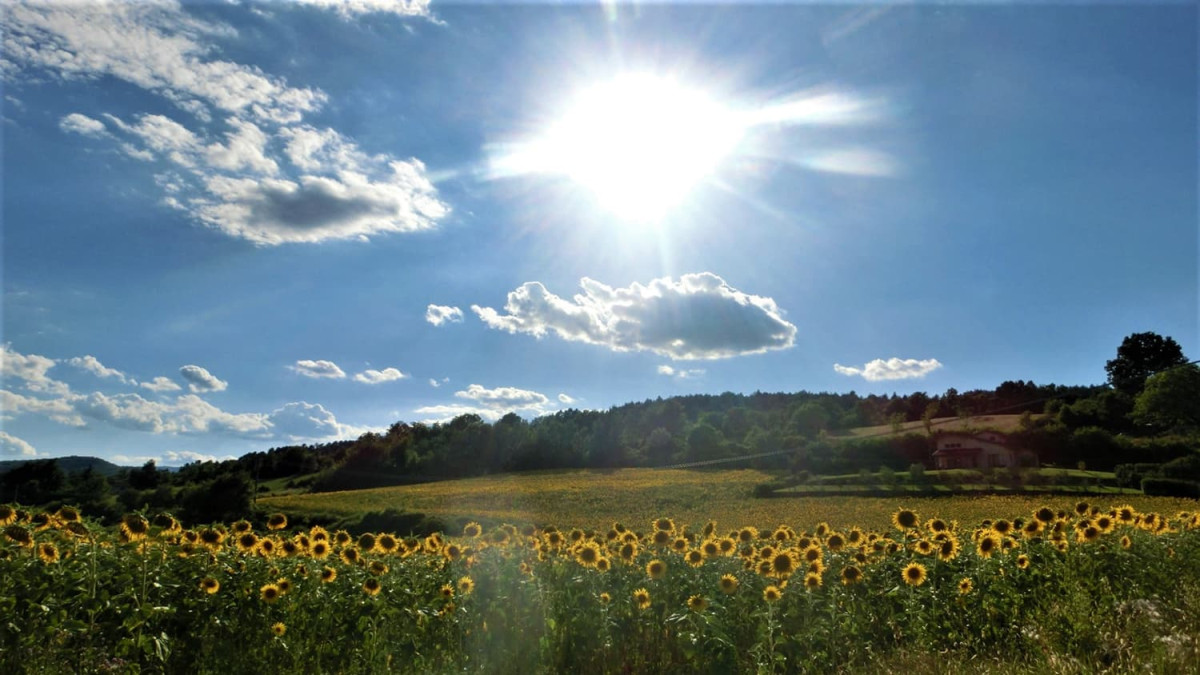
(727, 545)
(210, 585)
(697, 603)
(661, 538)
(694, 558)
(641, 598)
(835, 542)
(270, 592)
(747, 534)
(1033, 528)
(1126, 514)
(366, 542)
(48, 553)
(377, 567)
(278, 629)
(782, 565)
(466, 585)
(711, 549)
(1126, 542)
(319, 550)
(284, 584)
(18, 535)
(1105, 523)
(656, 569)
(1088, 534)
(554, 538)
(851, 575)
(905, 519)
(328, 574)
(948, 549)
(277, 521)
(1002, 526)
(987, 545)
(924, 547)
(605, 598)
(372, 586)
(603, 564)
(680, 545)
(914, 574)
(8, 515)
(728, 584)
(771, 593)
(446, 591)
(452, 551)
(472, 529)
(587, 554)
(812, 581)
(68, 514)
(134, 527)
(964, 586)
(783, 533)
(1023, 561)
(211, 538)
(387, 543)
(664, 525)
(266, 547)
(628, 551)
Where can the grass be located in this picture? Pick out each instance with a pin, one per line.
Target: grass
(595, 499)
(1002, 423)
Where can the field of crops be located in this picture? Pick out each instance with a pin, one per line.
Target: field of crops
(1079, 589)
(595, 499)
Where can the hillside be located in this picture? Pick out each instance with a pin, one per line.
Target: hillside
(70, 464)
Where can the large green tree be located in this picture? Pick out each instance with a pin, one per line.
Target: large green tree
(1139, 356)
(1171, 399)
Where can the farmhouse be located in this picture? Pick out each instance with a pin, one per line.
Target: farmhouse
(986, 449)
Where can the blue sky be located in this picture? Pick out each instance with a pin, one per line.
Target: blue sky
(230, 226)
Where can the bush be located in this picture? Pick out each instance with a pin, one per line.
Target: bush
(1131, 475)
(1171, 487)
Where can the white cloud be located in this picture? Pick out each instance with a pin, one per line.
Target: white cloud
(160, 384)
(567, 400)
(490, 404)
(378, 376)
(11, 445)
(82, 124)
(318, 369)
(257, 172)
(439, 314)
(92, 365)
(680, 373)
(697, 317)
(349, 8)
(32, 370)
(188, 414)
(891, 369)
(301, 420)
(60, 410)
(433, 382)
(200, 380)
(169, 458)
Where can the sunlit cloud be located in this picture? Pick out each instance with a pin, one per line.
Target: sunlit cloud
(200, 380)
(699, 316)
(12, 446)
(489, 404)
(92, 365)
(891, 369)
(680, 373)
(440, 314)
(160, 384)
(379, 376)
(318, 369)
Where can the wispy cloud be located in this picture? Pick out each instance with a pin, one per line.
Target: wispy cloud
(238, 157)
(92, 365)
(680, 373)
(891, 369)
(699, 316)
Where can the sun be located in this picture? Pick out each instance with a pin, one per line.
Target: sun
(640, 143)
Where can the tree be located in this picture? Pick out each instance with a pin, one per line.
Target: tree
(1139, 356)
(1171, 399)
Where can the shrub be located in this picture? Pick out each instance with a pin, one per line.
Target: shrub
(1170, 487)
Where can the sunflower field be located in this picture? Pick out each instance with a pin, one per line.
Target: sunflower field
(1083, 589)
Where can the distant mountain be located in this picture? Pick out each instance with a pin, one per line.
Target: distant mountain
(72, 464)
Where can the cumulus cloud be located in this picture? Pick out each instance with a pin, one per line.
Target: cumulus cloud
(60, 409)
(11, 445)
(891, 369)
(699, 316)
(680, 373)
(379, 376)
(490, 404)
(81, 124)
(31, 369)
(564, 399)
(439, 314)
(188, 414)
(301, 420)
(239, 158)
(160, 384)
(92, 365)
(200, 380)
(318, 369)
